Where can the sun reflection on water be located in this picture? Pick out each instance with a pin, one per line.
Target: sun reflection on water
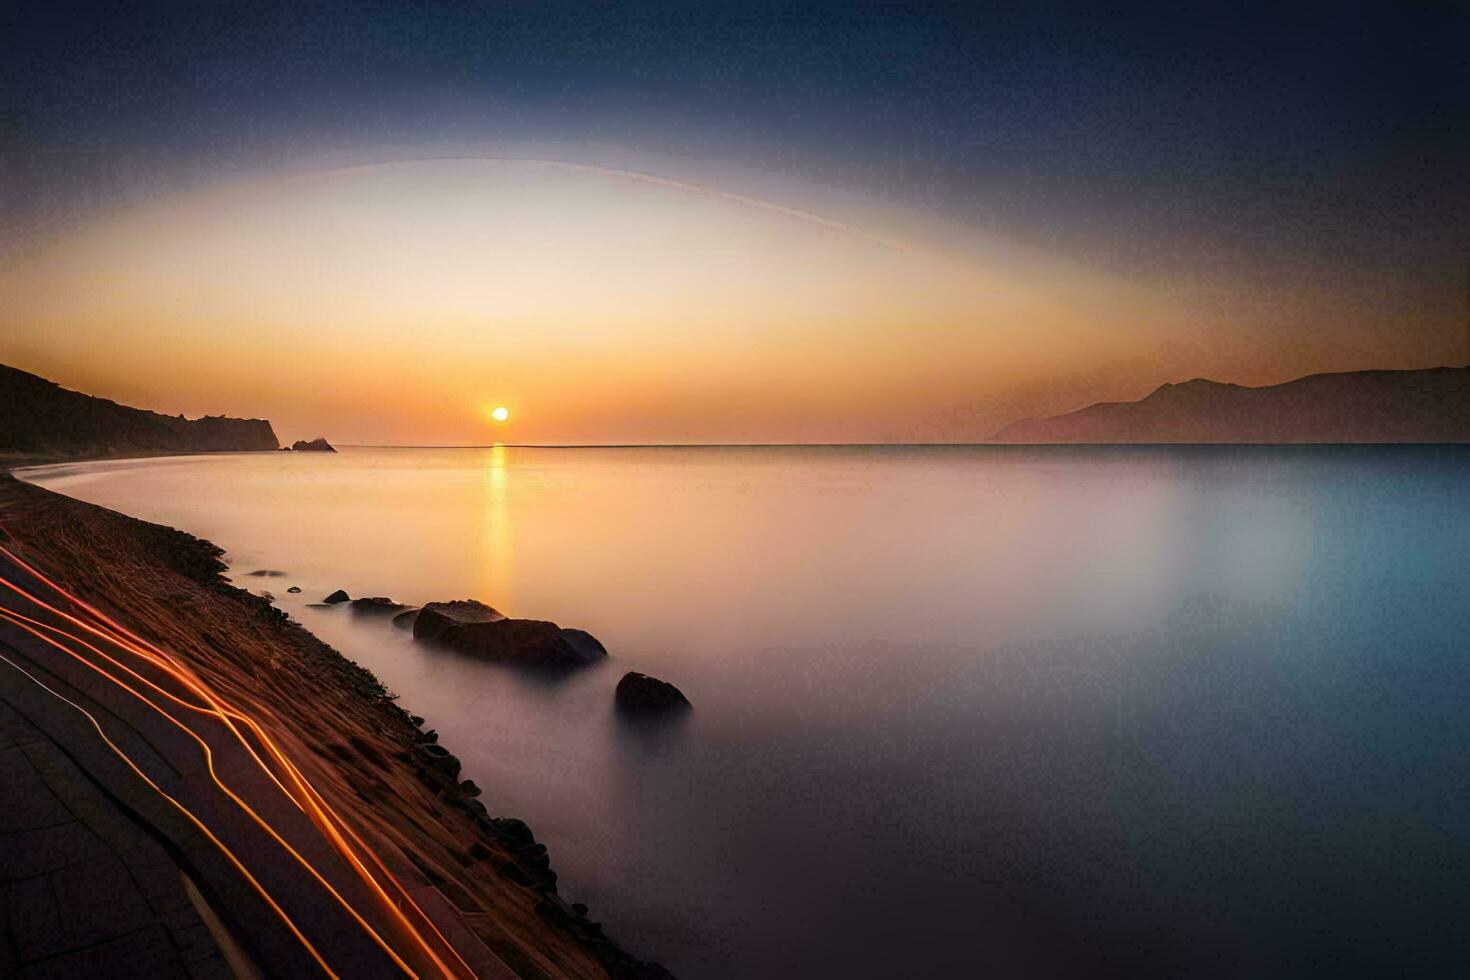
(497, 587)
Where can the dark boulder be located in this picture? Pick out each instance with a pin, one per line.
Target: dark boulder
(336, 597)
(294, 588)
(513, 831)
(377, 604)
(584, 643)
(646, 695)
(438, 617)
(526, 642)
(317, 445)
(441, 759)
(477, 629)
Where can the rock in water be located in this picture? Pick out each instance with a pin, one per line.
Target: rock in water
(437, 617)
(528, 642)
(377, 604)
(336, 597)
(646, 695)
(405, 620)
(317, 445)
(294, 588)
(474, 628)
(584, 643)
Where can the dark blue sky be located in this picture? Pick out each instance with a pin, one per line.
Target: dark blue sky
(1275, 141)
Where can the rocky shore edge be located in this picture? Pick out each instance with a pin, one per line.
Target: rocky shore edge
(512, 854)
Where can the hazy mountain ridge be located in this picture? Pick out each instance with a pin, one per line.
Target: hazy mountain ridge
(1429, 405)
(39, 417)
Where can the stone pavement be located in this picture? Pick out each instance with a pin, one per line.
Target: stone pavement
(87, 890)
(138, 838)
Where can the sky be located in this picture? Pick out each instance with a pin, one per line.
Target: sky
(727, 223)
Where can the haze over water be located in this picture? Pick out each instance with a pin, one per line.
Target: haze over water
(957, 710)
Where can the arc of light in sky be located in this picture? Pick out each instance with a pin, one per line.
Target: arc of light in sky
(318, 809)
(688, 187)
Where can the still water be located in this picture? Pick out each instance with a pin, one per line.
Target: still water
(958, 711)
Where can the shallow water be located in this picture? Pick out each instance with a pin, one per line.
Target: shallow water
(958, 710)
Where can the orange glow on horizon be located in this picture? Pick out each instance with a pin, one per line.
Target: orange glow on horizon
(376, 304)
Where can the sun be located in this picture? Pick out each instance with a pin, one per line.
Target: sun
(500, 414)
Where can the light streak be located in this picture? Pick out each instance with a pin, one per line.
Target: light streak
(671, 183)
(229, 855)
(331, 824)
(16, 618)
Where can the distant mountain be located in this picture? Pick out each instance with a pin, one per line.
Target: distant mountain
(1431, 405)
(41, 418)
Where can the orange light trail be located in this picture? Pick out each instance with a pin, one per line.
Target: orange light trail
(323, 810)
(315, 806)
(16, 618)
(229, 855)
(319, 810)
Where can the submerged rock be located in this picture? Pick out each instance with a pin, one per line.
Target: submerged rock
(584, 643)
(477, 629)
(377, 604)
(265, 573)
(294, 588)
(336, 597)
(436, 618)
(405, 620)
(317, 445)
(646, 695)
(529, 642)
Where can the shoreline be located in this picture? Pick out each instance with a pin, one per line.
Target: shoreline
(370, 757)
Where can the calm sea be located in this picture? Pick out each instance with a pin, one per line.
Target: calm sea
(958, 711)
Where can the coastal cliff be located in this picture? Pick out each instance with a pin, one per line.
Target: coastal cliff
(1425, 406)
(40, 418)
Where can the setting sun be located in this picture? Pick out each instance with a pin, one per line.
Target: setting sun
(500, 414)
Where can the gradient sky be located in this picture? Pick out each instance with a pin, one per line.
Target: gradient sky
(726, 222)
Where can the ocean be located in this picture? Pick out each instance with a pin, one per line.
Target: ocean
(959, 711)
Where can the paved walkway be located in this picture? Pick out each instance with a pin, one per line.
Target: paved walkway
(106, 872)
(87, 891)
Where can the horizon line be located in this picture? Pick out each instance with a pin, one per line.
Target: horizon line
(649, 445)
